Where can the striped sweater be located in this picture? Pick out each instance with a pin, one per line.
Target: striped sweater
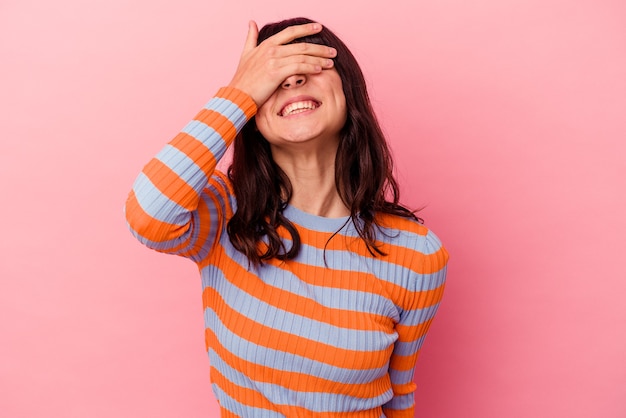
(334, 332)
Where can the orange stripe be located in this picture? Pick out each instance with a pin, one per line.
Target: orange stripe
(416, 331)
(203, 232)
(365, 282)
(259, 334)
(254, 399)
(400, 413)
(243, 395)
(171, 185)
(300, 382)
(220, 123)
(196, 151)
(300, 305)
(420, 263)
(387, 220)
(336, 279)
(225, 413)
(404, 363)
(241, 99)
(224, 190)
(149, 227)
(421, 299)
(204, 214)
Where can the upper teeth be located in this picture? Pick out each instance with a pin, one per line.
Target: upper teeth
(298, 107)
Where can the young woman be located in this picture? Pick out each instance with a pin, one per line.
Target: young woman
(318, 286)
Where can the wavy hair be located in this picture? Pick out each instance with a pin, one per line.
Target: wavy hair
(363, 169)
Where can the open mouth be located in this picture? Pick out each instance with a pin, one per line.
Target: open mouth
(299, 107)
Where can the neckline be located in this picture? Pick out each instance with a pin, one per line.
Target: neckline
(310, 221)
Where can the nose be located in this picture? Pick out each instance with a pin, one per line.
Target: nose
(294, 81)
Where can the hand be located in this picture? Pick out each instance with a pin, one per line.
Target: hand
(264, 67)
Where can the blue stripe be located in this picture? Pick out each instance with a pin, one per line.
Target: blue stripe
(313, 401)
(418, 316)
(216, 222)
(165, 246)
(229, 110)
(380, 267)
(319, 223)
(183, 166)
(195, 220)
(399, 377)
(430, 281)
(208, 137)
(328, 297)
(410, 347)
(295, 324)
(339, 260)
(159, 246)
(424, 244)
(344, 260)
(156, 204)
(266, 357)
(401, 402)
(229, 403)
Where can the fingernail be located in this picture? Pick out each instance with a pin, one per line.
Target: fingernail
(333, 52)
(317, 26)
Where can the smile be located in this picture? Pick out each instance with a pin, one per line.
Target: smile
(298, 107)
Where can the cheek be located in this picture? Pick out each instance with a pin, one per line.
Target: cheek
(263, 125)
(264, 112)
(261, 117)
(343, 109)
(340, 98)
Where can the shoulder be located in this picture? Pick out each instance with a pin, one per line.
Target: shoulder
(412, 244)
(408, 231)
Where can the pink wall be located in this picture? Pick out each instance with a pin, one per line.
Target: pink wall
(508, 120)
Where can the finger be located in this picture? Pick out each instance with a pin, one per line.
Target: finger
(305, 49)
(294, 32)
(251, 39)
(303, 64)
(301, 68)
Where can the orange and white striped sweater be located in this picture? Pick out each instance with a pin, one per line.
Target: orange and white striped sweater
(335, 332)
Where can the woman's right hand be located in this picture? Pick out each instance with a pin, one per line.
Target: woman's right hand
(264, 67)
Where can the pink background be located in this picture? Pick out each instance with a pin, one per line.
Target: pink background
(508, 122)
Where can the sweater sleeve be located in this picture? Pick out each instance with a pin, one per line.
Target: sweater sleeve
(419, 308)
(178, 202)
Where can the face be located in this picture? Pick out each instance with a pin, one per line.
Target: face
(304, 108)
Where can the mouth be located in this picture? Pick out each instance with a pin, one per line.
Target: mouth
(298, 106)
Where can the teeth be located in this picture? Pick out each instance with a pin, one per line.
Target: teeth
(298, 107)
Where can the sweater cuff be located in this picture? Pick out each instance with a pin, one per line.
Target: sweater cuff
(241, 99)
(399, 413)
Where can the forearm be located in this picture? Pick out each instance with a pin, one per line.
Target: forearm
(168, 190)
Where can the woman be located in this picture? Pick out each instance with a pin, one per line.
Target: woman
(318, 286)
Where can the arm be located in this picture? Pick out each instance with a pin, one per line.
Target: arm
(176, 202)
(418, 310)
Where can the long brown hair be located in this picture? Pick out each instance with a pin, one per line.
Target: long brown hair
(363, 168)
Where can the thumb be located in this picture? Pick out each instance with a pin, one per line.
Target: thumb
(253, 35)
